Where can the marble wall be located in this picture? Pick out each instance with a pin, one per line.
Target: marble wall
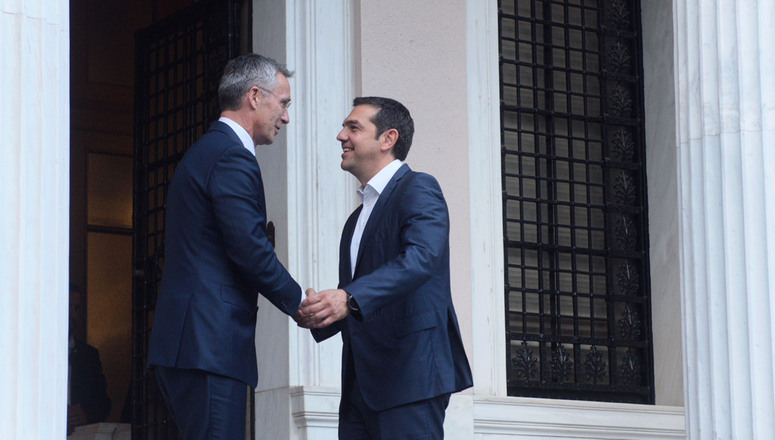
(725, 64)
(34, 216)
(664, 210)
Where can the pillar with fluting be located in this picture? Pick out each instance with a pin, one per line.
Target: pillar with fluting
(725, 66)
(34, 216)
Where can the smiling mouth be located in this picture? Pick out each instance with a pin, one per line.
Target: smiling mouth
(346, 150)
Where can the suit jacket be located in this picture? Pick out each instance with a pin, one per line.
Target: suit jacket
(88, 386)
(406, 346)
(217, 259)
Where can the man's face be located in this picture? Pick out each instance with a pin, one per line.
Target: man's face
(271, 113)
(361, 153)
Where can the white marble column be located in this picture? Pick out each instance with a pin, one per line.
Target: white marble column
(321, 195)
(725, 66)
(311, 197)
(34, 216)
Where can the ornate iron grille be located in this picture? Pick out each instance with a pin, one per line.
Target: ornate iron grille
(575, 215)
(179, 62)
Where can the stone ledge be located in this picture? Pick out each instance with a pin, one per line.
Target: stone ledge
(102, 431)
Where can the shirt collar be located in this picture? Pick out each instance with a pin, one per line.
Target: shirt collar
(242, 134)
(380, 181)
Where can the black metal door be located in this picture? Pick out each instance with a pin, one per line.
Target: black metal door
(179, 62)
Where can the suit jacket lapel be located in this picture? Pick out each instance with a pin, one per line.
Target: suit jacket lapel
(345, 275)
(368, 231)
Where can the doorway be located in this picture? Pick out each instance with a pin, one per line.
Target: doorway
(106, 172)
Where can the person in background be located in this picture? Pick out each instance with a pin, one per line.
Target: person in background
(87, 395)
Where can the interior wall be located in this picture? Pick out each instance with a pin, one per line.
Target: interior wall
(102, 50)
(662, 174)
(102, 71)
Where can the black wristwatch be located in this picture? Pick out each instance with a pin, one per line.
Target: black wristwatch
(352, 305)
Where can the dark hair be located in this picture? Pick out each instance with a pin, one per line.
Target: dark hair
(391, 114)
(246, 71)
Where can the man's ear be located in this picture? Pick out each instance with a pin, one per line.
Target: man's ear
(389, 138)
(254, 95)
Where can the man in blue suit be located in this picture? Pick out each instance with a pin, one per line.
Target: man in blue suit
(218, 258)
(402, 355)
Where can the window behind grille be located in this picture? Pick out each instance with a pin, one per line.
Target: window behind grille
(575, 218)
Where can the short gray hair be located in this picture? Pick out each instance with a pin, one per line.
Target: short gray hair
(244, 72)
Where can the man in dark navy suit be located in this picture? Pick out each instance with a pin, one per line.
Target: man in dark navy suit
(218, 258)
(402, 355)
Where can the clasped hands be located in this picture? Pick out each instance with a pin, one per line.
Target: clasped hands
(321, 309)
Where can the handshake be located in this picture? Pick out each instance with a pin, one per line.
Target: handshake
(321, 309)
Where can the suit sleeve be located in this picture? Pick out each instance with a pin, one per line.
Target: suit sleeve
(239, 208)
(322, 334)
(424, 235)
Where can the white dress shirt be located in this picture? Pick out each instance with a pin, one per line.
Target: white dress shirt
(369, 196)
(242, 134)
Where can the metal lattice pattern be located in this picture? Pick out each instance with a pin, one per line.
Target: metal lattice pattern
(179, 63)
(577, 293)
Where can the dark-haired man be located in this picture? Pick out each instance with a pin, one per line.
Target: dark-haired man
(402, 355)
(218, 258)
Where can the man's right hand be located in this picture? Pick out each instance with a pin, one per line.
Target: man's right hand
(324, 308)
(301, 318)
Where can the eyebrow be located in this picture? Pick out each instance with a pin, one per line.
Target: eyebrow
(352, 123)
